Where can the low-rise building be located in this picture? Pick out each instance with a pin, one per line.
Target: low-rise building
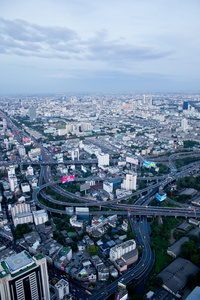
(175, 249)
(176, 274)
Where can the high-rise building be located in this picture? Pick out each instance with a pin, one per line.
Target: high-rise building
(144, 99)
(103, 160)
(32, 113)
(185, 105)
(12, 178)
(22, 150)
(130, 182)
(184, 124)
(21, 213)
(4, 124)
(23, 277)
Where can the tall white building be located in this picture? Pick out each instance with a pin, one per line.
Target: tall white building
(11, 170)
(40, 216)
(22, 150)
(75, 154)
(13, 182)
(29, 171)
(4, 124)
(184, 124)
(21, 213)
(86, 127)
(108, 187)
(118, 251)
(103, 160)
(25, 187)
(130, 182)
(24, 277)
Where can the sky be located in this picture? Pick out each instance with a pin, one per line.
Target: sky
(60, 46)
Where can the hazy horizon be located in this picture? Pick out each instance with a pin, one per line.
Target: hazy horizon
(90, 47)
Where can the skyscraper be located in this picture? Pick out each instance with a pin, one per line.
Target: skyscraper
(23, 277)
(185, 105)
(32, 113)
(184, 124)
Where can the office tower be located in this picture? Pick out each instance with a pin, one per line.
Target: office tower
(23, 277)
(144, 99)
(150, 101)
(185, 105)
(32, 113)
(22, 151)
(184, 124)
(12, 178)
(4, 124)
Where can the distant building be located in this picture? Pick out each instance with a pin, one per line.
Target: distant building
(184, 124)
(29, 171)
(108, 187)
(22, 151)
(130, 182)
(32, 113)
(185, 105)
(103, 160)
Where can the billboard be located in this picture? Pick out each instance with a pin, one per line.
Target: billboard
(149, 164)
(84, 187)
(26, 140)
(68, 178)
(132, 160)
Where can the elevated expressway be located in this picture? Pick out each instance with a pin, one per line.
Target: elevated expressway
(186, 211)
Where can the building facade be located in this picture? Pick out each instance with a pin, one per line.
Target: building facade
(24, 277)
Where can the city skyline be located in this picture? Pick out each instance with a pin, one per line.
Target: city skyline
(99, 47)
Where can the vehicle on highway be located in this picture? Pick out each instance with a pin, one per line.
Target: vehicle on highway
(87, 292)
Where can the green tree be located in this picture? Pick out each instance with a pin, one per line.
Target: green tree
(192, 281)
(92, 249)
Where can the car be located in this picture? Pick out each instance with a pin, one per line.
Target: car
(102, 293)
(143, 265)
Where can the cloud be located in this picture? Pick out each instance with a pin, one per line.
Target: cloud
(26, 39)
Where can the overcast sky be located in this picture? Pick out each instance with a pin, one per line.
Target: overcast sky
(99, 46)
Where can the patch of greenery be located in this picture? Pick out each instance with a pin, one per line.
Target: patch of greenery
(20, 230)
(160, 235)
(189, 144)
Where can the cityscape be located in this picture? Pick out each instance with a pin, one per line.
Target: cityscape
(100, 196)
(99, 150)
